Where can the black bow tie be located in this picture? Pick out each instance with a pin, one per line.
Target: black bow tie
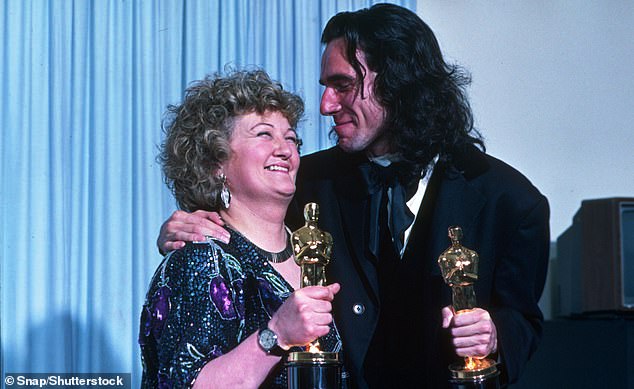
(381, 181)
(378, 177)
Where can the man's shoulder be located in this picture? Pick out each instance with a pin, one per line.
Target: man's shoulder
(326, 175)
(492, 175)
(322, 158)
(327, 164)
(513, 179)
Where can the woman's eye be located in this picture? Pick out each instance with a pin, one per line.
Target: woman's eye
(265, 134)
(298, 143)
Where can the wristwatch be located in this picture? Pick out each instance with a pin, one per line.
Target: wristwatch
(267, 339)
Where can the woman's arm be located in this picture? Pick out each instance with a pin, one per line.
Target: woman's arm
(246, 366)
(303, 317)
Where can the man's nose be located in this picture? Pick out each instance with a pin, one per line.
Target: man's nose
(329, 102)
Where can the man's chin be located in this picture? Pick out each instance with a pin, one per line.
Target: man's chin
(348, 147)
(377, 147)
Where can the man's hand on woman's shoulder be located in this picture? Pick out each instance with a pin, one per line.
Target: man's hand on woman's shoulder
(184, 227)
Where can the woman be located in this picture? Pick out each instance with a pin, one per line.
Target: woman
(224, 314)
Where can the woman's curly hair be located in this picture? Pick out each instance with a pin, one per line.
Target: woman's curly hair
(198, 131)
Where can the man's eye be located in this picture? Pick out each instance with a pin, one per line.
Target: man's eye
(344, 86)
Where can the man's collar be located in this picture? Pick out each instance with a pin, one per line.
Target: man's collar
(385, 159)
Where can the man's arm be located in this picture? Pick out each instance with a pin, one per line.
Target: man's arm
(512, 325)
(184, 227)
(519, 282)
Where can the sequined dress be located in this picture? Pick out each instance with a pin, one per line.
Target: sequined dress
(205, 299)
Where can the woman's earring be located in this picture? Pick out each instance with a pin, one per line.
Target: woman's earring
(225, 194)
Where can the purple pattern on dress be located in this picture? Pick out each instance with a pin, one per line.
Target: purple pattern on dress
(270, 300)
(157, 312)
(239, 296)
(219, 294)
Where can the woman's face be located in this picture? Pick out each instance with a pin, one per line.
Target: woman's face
(264, 158)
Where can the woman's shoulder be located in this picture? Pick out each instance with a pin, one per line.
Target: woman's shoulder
(198, 259)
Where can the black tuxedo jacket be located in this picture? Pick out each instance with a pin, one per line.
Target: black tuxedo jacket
(504, 219)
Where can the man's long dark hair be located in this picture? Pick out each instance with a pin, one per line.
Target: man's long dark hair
(427, 110)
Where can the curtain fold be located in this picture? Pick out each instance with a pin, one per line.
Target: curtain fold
(84, 85)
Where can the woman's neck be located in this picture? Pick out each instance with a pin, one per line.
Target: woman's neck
(263, 224)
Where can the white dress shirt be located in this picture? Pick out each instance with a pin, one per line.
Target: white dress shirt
(416, 201)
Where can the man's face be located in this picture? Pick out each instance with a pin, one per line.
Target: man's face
(357, 115)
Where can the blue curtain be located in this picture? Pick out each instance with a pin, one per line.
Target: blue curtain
(84, 85)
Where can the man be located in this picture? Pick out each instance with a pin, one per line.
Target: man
(404, 127)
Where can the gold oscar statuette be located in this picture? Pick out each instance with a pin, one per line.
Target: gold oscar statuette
(459, 268)
(312, 246)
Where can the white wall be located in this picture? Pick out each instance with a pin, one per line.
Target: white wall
(552, 92)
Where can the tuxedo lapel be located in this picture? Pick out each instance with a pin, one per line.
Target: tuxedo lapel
(458, 204)
(449, 201)
(354, 202)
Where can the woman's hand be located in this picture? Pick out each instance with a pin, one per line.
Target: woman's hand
(304, 316)
(184, 227)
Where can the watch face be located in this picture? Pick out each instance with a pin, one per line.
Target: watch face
(267, 339)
